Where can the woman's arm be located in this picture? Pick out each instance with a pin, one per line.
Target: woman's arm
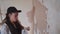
(27, 28)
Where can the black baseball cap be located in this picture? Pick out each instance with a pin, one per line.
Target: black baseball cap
(12, 10)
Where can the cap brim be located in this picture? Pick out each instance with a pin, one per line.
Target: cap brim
(19, 11)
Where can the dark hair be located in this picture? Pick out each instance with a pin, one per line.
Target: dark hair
(5, 19)
(7, 16)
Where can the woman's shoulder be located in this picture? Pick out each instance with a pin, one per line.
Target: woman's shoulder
(4, 26)
(3, 23)
(5, 29)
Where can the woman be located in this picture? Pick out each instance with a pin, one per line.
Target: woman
(11, 24)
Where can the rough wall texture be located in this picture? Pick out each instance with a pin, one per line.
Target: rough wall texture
(39, 11)
(41, 17)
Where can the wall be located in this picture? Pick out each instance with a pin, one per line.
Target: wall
(53, 15)
(41, 17)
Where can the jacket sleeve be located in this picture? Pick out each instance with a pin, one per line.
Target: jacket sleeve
(4, 29)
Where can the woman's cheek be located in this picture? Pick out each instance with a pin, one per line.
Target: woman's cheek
(14, 19)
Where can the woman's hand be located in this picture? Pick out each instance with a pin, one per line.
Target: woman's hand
(27, 28)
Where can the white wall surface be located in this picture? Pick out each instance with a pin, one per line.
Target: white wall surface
(53, 16)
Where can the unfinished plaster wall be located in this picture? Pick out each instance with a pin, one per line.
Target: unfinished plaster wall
(38, 17)
(53, 16)
(41, 17)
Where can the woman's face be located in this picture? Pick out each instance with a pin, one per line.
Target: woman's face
(13, 17)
